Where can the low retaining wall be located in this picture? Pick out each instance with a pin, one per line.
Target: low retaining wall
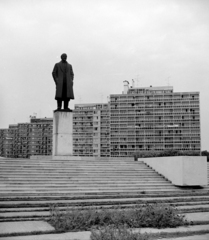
(34, 157)
(61, 157)
(181, 170)
(72, 158)
(50, 157)
(83, 158)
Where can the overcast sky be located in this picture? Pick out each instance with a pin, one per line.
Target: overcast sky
(158, 42)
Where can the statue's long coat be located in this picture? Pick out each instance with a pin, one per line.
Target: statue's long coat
(58, 75)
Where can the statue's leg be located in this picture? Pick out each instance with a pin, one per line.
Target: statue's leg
(59, 104)
(66, 102)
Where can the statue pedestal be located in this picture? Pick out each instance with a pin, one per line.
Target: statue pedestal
(62, 133)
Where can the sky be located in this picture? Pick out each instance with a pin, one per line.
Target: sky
(155, 42)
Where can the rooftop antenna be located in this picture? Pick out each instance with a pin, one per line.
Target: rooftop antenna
(133, 83)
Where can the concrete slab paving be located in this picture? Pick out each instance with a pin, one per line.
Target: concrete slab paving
(25, 226)
(195, 237)
(85, 235)
(61, 236)
(198, 216)
(173, 230)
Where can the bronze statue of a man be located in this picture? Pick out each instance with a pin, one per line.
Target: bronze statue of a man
(63, 76)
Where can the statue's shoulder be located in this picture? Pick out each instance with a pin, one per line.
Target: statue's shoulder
(57, 64)
(69, 65)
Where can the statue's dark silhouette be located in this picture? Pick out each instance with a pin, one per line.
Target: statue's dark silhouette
(63, 76)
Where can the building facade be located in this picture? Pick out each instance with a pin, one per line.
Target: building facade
(26, 139)
(154, 118)
(40, 136)
(91, 130)
(8, 140)
(139, 119)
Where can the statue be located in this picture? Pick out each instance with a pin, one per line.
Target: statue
(63, 76)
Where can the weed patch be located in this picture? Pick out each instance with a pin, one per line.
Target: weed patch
(120, 233)
(149, 215)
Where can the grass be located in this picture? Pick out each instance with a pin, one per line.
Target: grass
(148, 215)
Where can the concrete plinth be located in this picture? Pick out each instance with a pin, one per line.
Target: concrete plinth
(62, 134)
(181, 170)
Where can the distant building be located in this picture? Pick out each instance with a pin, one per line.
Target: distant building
(40, 136)
(12, 140)
(1, 142)
(26, 139)
(91, 130)
(153, 118)
(8, 141)
(139, 119)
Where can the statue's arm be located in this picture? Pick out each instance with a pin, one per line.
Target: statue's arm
(72, 73)
(55, 73)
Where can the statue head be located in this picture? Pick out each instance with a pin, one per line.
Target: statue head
(64, 57)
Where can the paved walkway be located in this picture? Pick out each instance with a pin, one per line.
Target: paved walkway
(25, 226)
(62, 236)
(195, 237)
(174, 230)
(198, 216)
(86, 235)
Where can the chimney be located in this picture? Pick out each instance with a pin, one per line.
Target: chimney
(125, 87)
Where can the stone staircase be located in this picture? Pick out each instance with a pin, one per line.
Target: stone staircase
(26, 178)
(29, 187)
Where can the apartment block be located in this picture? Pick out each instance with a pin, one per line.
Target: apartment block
(12, 140)
(7, 141)
(153, 118)
(2, 139)
(91, 130)
(26, 139)
(4, 142)
(1, 142)
(40, 136)
(22, 150)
